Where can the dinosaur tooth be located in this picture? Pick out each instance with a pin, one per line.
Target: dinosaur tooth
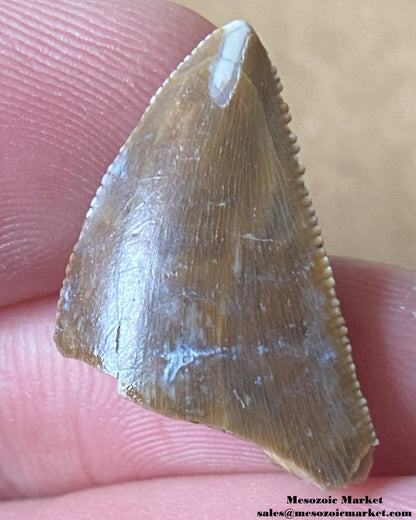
(200, 279)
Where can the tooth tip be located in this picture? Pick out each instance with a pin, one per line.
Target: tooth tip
(226, 68)
(237, 25)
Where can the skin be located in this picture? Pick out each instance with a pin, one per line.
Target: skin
(75, 79)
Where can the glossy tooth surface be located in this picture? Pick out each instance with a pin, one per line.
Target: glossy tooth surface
(200, 280)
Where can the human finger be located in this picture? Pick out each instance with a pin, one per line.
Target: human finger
(74, 81)
(64, 427)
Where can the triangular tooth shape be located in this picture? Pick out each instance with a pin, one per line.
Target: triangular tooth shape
(200, 280)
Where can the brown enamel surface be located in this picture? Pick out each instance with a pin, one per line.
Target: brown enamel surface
(200, 280)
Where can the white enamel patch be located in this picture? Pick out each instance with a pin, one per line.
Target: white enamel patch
(225, 71)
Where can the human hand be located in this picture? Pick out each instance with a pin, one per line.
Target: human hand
(75, 80)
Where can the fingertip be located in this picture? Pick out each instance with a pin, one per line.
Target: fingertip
(379, 305)
(75, 79)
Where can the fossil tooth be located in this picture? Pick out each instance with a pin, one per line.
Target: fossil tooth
(200, 280)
